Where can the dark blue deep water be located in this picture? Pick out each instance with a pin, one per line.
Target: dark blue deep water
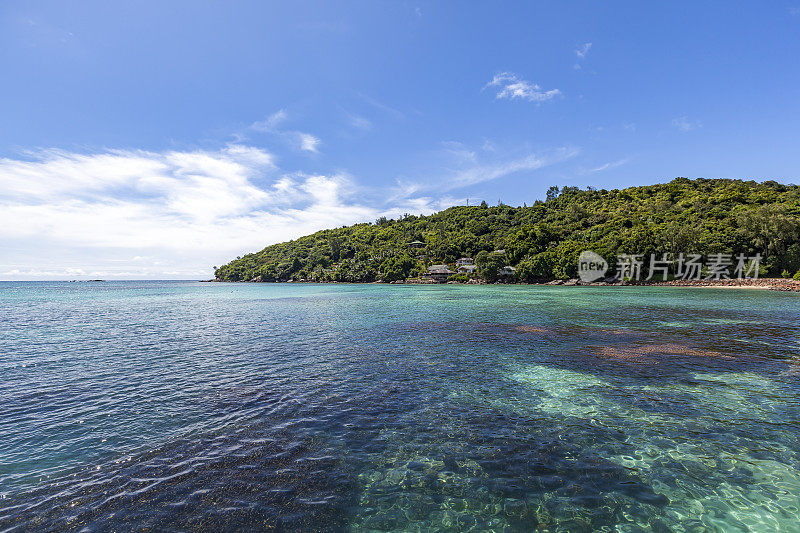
(204, 406)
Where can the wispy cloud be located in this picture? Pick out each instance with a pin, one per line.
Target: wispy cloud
(460, 152)
(359, 122)
(271, 122)
(465, 167)
(511, 86)
(395, 113)
(300, 140)
(684, 124)
(308, 142)
(582, 51)
(610, 164)
(490, 172)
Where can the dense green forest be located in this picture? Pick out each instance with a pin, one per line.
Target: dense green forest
(543, 240)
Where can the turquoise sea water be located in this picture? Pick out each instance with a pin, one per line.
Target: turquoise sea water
(187, 406)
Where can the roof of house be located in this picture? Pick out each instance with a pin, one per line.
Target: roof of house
(439, 269)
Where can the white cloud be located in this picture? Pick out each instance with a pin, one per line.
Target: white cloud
(395, 113)
(481, 173)
(300, 140)
(684, 124)
(583, 50)
(308, 142)
(610, 164)
(359, 122)
(271, 122)
(488, 172)
(512, 86)
(62, 212)
(460, 152)
(464, 167)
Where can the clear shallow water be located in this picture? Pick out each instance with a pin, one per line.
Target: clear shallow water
(185, 406)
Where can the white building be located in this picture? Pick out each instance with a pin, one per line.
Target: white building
(439, 273)
(507, 271)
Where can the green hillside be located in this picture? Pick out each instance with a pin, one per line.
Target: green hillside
(543, 240)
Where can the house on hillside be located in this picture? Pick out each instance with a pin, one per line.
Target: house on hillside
(507, 272)
(465, 261)
(439, 273)
(467, 269)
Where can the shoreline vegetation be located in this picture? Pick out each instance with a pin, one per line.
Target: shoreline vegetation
(541, 243)
(774, 284)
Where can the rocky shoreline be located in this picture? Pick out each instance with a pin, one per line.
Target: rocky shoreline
(774, 284)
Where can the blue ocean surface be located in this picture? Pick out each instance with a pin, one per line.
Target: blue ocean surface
(214, 406)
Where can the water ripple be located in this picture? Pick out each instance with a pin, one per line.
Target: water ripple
(186, 406)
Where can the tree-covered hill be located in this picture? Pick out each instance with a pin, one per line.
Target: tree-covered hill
(544, 240)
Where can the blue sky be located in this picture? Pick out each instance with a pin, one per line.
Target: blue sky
(156, 139)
